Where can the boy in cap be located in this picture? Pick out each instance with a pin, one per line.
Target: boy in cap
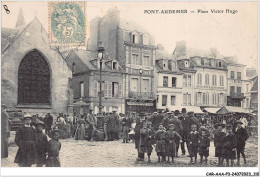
(171, 139)
(54, 147)
(41, 144)
(160, 143)
(241, 136)
(204, 143)
(229, 146)
(218, 142)
(25, 139)
(193, 139)
(145, 146)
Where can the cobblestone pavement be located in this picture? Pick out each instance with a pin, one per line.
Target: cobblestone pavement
(81, 153)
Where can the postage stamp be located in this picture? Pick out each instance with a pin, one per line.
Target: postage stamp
(67, 23)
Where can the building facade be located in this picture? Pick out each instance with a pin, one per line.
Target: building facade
(236, 75)
(134, 49)
(35, 77)
(168, 81)
(250, 89)
(204, 78)
(86, 82)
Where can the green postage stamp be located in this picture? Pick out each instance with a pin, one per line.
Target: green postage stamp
(67, 23)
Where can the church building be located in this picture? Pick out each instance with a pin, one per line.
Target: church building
(35, 77)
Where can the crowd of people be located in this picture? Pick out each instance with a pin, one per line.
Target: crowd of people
(166, 132)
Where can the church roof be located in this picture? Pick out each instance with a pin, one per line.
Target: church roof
(8, 35)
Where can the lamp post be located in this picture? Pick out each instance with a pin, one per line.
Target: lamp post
(100, 118)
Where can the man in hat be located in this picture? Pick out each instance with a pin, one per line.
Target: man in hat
(157, 120)
(48, 121)
(166, 119)
(92, 124)
(194, 120)
(218, 141)
(116, 118)
(5, 132)
(186, 124)
(229, 146)
(25, 139)
(41, 144)
(179, 129)
(241, 136)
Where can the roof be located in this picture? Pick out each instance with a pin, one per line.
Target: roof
(162, 54)
(86, 56)
(131, 26)
(255, 86)
(8, 35)
(212, 110)
(192, 52)
(231, 109)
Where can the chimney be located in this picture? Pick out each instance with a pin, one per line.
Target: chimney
(180, 48)
(20, 20)
(214, 52)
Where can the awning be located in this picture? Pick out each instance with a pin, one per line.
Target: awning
(211, 110)
(194, 109)
(231, 109)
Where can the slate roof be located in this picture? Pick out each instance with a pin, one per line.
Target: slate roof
(255, 86)
(8, 35)
(131, 26)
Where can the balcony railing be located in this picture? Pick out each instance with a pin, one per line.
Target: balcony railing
(237, 95)
(142, 95)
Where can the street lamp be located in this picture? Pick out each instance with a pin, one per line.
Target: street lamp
(100, 118)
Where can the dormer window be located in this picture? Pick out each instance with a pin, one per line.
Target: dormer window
(206, 61)
(98, 65)
(186, 64)
(220, 64)
(114, 65)
(135, 38)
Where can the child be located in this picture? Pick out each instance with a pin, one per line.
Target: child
(171, 139)
(218, 142)
(160, 143)
(204, 143)
(53, 150)
(25, 140)
(145, 146)
(41, 144)
(241, 136)
(229, 146)
(193, 138)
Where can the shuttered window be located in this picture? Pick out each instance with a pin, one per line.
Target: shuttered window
(120, 93)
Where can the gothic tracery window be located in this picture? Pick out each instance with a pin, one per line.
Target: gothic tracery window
(34, 79)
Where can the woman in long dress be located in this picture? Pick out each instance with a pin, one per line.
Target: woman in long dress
(80, 131)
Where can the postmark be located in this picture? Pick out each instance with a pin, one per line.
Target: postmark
(67, 23)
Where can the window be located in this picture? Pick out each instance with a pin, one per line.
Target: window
(95, 88)
(198, 97)
(73, 67)
(173, 65)
(220, 64)
(120, 91)
(214, 80)
(115, 89)
(114, 65)
(135, 59)
(186, 63)
(34, 79)
(247, 102)
(173, 99)
(205, 98)
(135, 39)
(187, 99)
(202, 61)
(174, 81)
(102, 87)
(206, 79)
(232, 75)
(210, 62)
(165, 81)
(232, 89)
(186, 80)
(164, 100)
(238, 89)
(238, 75)
(199, 81)
(134, 85)
(145, 60)
(145, 86)
(81, 88)
(206, 62)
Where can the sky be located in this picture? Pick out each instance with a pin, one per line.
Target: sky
(232, 34)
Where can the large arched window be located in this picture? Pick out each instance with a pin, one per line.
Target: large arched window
(34, 79)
